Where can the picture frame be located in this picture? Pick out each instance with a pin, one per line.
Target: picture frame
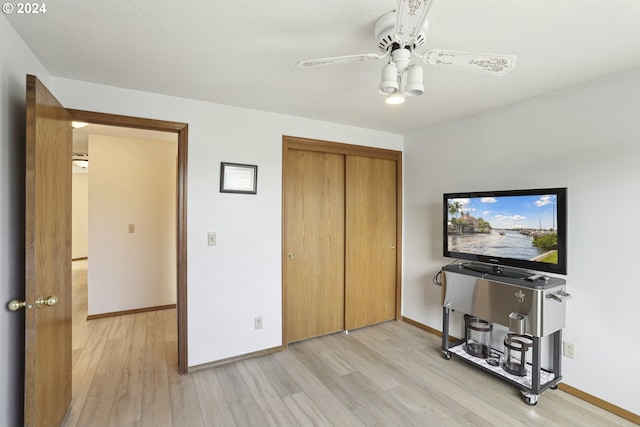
(238, 178)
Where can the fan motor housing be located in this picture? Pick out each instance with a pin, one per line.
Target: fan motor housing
(385, 30)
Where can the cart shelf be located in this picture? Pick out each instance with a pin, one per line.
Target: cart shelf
(547, 378)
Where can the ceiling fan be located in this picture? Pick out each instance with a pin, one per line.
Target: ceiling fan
(399, 34)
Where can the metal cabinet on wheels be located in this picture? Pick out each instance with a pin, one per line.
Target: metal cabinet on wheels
(509, 297)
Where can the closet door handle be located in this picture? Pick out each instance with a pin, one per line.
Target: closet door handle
(290, 256)
(393, 246)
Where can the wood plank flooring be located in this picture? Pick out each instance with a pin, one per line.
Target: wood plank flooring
(391, 374)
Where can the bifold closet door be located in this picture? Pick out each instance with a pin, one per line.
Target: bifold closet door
(314, 244)
(371, 223)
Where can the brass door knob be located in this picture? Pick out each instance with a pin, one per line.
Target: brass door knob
(15, 305)
(51, 300)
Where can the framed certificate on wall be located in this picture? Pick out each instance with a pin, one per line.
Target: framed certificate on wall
(238, 178)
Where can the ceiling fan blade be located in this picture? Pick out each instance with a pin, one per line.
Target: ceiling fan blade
(410, 18)
(340, 59)
(488, 63)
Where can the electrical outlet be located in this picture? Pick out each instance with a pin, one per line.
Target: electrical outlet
(258, 322)
(568, 350)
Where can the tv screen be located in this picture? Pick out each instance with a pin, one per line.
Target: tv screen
(519, 228)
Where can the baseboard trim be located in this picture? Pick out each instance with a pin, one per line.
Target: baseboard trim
(596, 401)
(623, 413)
(427, 328)
(134, 311)
(230, 360)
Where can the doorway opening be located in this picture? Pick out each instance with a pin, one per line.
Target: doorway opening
(180, 129)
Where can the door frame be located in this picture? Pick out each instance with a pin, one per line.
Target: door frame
(293, 142)
(181, 129)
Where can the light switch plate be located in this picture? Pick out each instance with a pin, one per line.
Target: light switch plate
(211, 238)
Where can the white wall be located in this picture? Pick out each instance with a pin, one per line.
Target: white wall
(240, 278)
(16, 61)
(586, 139)
(79, 213)
(131, 182)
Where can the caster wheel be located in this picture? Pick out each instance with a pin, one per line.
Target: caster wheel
(554, 387)
(530, 399)
(446, 355)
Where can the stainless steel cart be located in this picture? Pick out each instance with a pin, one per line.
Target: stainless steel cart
(525, 303)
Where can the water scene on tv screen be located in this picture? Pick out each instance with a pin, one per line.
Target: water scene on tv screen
(520, 227)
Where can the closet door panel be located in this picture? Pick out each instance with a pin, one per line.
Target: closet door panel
(314, 244)
(370, 262)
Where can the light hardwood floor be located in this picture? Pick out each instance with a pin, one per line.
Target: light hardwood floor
(392, 374)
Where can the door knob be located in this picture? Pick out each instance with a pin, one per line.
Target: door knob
(51, 300)
(290, 256)
(16, 305)
(393, 246)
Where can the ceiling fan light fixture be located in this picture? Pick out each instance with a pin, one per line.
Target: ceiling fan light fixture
(389, 80)
(398, 97)
(399, 34)
(414, 86)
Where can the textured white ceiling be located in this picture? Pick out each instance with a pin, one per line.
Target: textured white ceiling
(243, 53)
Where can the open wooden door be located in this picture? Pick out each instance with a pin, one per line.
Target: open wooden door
(47, 258)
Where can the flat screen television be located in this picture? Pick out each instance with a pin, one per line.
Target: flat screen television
(518, 228)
